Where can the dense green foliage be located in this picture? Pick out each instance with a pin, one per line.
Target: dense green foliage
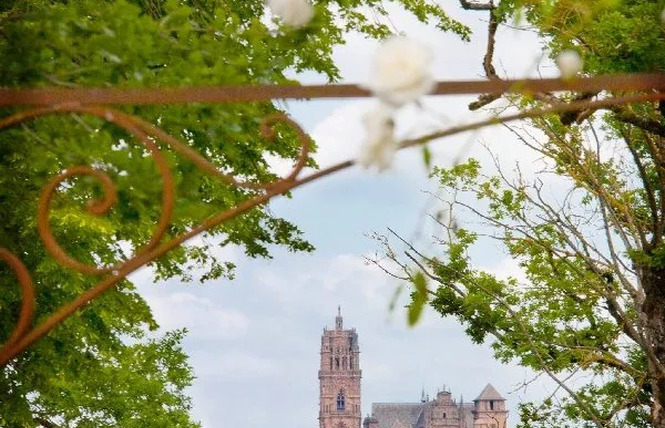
(102, 367)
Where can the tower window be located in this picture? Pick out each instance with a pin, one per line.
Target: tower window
(340, 402)
(337, 363)
(491, 404)
(330, 363)
(344, 363)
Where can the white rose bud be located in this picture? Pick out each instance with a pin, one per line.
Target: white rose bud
(569, 63)
(295, 13)
(400, 71)
(379, 146)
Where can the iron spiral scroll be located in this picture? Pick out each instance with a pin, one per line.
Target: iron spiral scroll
(44, 102)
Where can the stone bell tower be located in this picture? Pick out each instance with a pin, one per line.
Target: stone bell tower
(339, 377)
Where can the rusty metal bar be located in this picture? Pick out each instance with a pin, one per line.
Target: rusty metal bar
(225, 94)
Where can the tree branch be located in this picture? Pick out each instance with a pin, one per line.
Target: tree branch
(653, 126)
(490, 71)
(474, 5)
(659, 163)
(648, 188)
(45, 422)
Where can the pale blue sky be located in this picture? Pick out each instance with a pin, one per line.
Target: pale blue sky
(254, 342)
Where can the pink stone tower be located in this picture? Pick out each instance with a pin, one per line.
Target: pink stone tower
(339, 377)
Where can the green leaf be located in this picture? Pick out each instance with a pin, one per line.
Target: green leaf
(419, 298)
(427, 156)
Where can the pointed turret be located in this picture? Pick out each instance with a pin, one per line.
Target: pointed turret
(490, 408)
(489, 393)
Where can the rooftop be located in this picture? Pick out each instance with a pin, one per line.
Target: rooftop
(489, 393)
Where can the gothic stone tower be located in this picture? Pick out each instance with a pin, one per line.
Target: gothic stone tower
(339, 377)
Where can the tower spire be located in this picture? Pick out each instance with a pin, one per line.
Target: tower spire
(338, 320)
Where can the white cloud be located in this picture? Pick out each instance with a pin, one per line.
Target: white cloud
(508, 268)
(232, 365)
(344, 277)
(203, 317)
(338, 137)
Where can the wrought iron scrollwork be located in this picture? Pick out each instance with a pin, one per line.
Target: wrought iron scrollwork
(149, 135)
(27, 311)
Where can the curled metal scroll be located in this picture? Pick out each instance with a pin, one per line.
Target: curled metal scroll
(148, 134)
(27, 311)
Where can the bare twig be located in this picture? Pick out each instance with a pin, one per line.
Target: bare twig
(490, 71)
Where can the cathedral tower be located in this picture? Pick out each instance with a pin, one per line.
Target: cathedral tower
(339, 377)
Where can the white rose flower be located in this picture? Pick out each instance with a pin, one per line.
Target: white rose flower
(295, 13)
(380, 146)
(400, 71)
(569, 63)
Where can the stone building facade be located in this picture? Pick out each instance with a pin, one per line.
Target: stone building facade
(339, 401)
(486, 411)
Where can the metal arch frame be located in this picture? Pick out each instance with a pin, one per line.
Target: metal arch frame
(97, 102)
